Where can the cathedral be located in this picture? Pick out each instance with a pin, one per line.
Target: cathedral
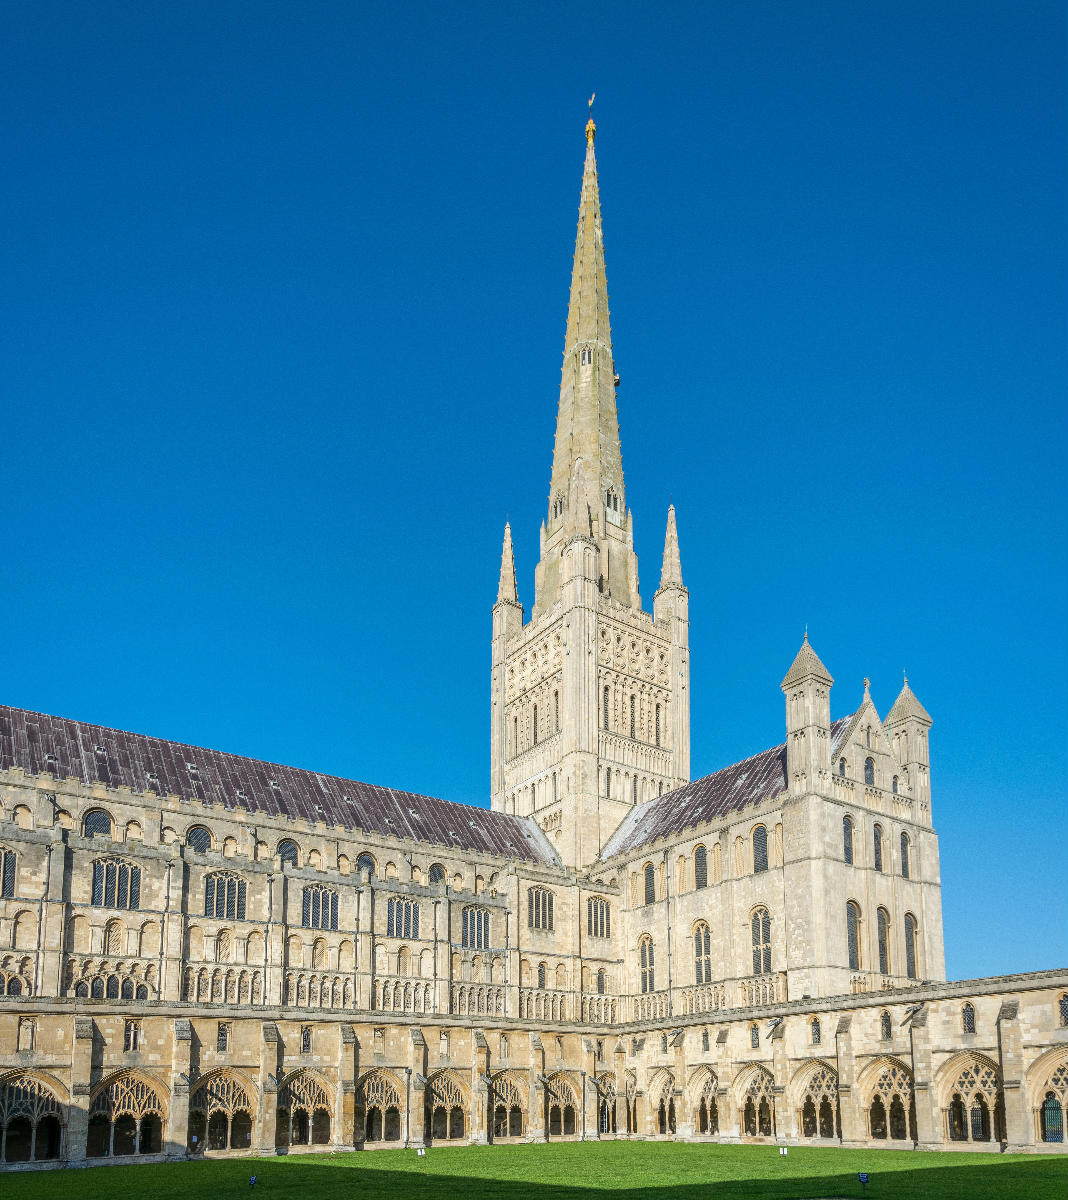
(204, 955)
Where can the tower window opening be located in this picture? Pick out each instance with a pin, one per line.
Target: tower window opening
(535, 724)
(633, 716)
(586, 357)
(606, 701)
(657, 730)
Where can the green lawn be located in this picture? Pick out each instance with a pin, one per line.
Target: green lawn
(569, 1171)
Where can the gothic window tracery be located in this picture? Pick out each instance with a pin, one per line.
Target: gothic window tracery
(975, 1111)
(319, 908)
(303, 1112)
(598, 917)
(125, 1117)
(220, 1114)
(891, 1112)
(540, 908)
(402, 918)
(820, 1115)
(116, 884)
(224, 897)
(646, 965)
(31, 1120)
(702, 948)
(1051, 1112)
(967, 1018)
(760, 929)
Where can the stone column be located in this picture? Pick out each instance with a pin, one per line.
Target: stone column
(271, 1067)
(344, 1116)
(536, 1130)
(684, 1115)
(479, 1097)
(81, 1065)
(1019, 1127)
(178, 1116)
(928, 1117)
(850, 1102)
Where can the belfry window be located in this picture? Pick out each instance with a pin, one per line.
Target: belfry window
(910, 945)
(853, 934)
(556, 711)
(883, 918)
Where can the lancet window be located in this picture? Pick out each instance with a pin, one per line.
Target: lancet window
(645, 959)
(760, 849)
(702, 949)
(760, 927)
(910, 945)
(847, 839)
(700, 867)
(853, 934)
(883, 922)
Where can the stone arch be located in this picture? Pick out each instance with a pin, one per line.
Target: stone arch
(813, 1093)
(704, 1102)
(448, 1107)
(885, 1088)
(305, 1102)
(127, 1114)
(562, 1104)
(378, 1107)
(969, 1091)
(222, 1110)
(32, 1116)
(1047, 1089)
(754, 1095)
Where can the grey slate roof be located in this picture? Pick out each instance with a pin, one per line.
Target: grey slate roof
(94, 754)
(761, 777)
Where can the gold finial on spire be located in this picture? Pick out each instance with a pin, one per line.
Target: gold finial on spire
(591, 129)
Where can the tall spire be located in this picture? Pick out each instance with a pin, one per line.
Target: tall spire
(671, 571)
(587, 426)
(506, 589)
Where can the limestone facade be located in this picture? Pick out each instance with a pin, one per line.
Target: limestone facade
(207, 955)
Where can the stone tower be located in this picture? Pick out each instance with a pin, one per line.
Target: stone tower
(590, 709)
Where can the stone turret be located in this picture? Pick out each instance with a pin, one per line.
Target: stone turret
(671, 606)
(507, 622)
(908, 723)
(807, 688)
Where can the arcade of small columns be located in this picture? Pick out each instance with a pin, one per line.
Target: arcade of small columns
(143, 1083)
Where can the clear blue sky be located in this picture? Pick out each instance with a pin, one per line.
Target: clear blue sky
(283, 306)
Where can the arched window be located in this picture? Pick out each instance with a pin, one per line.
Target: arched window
(7, 872)
(556, 711)
(437, 873)
(886, 1029)
(198, 838)
(96, 823)
(883, 921)
(754, 1036)
(602, 981)
(877, 847)
(633, 716)
(1052, 1117)
(539, 908)
(476, 928)
(224, 897)
(365, 863)
(515, 735)
(1062, 1010)
(543, 975)
(116, 884)
(535, 724)
(586, 358)
(598, 917)
(402, 918)
(702, 950)
(817, 1033)
(967, 1019)
(869, 772)
(905, 866)
(760, 849)
(650, 883)
(289, 853)
(657, 729)
(910, 945)
(645, 958)
(853, 934)
(634, 789)
(842, 767)
(319, 909)
(761, 931)
(847, 839)
(606, 702)
(893, 785)
(700, 867)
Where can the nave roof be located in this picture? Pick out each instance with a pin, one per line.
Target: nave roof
(704, 800)
(96, 754)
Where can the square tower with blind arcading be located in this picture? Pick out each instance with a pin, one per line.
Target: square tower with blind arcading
(590, 707)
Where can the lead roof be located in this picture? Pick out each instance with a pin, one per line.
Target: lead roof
(40, 744)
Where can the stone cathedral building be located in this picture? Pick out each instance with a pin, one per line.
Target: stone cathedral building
(203, 954)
